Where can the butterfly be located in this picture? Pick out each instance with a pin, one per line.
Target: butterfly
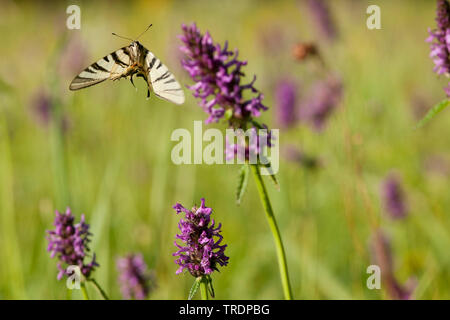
(128, 61)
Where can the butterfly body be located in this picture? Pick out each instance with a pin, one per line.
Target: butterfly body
(126, 62)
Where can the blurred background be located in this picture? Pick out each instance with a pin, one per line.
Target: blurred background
(359, 185)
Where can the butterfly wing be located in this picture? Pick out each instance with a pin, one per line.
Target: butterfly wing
(162, 81)
(113, 66)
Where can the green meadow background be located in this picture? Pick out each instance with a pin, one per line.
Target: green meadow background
(111, 157)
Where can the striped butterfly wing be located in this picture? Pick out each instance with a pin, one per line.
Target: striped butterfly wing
(162, 81)
(113, 66)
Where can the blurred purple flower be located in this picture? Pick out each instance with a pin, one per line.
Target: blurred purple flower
(322, 17)
(41, 107)
(286, 98)
(325, 97)
(393, 197)
(295, 155)
(217, 75)
(69, 243)
(382, 256)
(134, 278)
(440, 41)
(43, 110)
(202, 253)
(73, 57)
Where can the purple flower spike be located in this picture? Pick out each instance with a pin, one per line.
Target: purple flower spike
(217, 74)
(440, 41)
(393, 197)
(134, 278)
(69, 243)
(41, 107)
(201, 253)
(321, 13)
(382, 256)
(325, 98)
(286, 96)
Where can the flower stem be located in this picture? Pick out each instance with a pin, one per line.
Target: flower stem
(99, 289)
(204, 288)
(84, 291)
(275, 232)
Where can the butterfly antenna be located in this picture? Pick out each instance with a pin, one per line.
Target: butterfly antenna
(115, 34)
(144, 31)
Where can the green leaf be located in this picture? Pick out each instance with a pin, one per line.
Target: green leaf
(433, 112)
(194, 288)
(267, 165)
(242, 184)
(210, 287)
(274, 179)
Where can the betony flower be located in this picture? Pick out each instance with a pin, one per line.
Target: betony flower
(286, 98)
(382, 256)
(69, 243)
(322, 17)
(324, 99)
(135, 279)
(217, 74)
(439, 40)
(218, 78)
(201, 252)
(393, 197)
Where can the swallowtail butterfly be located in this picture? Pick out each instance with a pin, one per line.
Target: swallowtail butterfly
(128, 61)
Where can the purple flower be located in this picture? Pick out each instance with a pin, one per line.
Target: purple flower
(201, 253)
(134, 278)
(382, 256)
(322, 17)
(440, 41)
(217, 74)
(295, 155)
(393, 197)
(43, 110)
(325, 97)
(41, 107)
(69, 243)
(286, 96)
(73, 57)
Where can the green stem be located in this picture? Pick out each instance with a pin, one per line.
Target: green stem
(204, 288)
(275, 232)
(99, 289)
(84, 291)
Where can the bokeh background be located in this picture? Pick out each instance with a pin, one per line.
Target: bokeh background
(105, 151)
